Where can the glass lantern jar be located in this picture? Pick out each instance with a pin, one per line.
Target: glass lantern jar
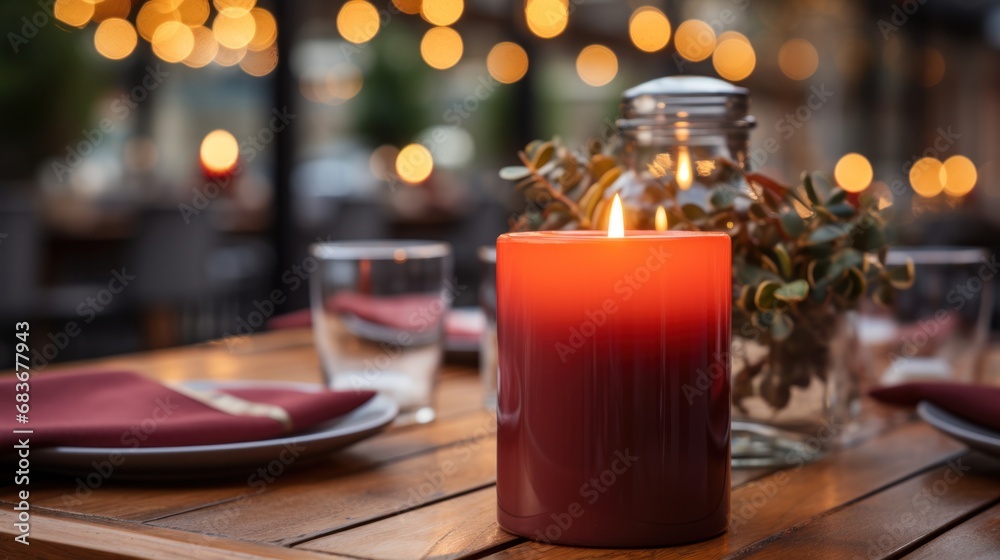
(678, 135)
(683, 149)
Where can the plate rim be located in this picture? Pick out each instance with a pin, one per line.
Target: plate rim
(943, 420)
(391, 410)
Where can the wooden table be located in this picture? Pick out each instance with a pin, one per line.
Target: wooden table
(900, 490)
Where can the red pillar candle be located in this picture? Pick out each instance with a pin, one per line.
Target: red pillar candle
(613, 401)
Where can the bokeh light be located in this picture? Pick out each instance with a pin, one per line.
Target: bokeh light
(108, 9)
(73, 12)
(853, 173)
(414, 164)
(342, 83)
(798, 59)
(358, 21)
(383, 160)
(441, 47)
(507, 62)
(260, 63)
(226, 56)
(191, 12)
(925, 177)
(265, 30)
(649, 29)
(597, 65)
(115, 38)
(547, 18)
(233, 7)
(205, 47)
(734, 59)
(152, 15)
(726, 35)
(411, 7)
(219, 151)
(173, 41)
(958, 175)
(442, 12)
(234, 30)
(694, 40)
(934, 67)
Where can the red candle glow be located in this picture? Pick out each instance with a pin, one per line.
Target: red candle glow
(613, 402)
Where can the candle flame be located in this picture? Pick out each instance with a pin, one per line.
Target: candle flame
(661, 219)
(616, 222)
(683, 168)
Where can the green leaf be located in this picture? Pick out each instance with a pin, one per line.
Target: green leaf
(764, 297)
(836, 197)
(793, 291)
(749, 274)
(842, 210)
(722, 197)
(826, 234)
(807, 182)
(514, 172)
(783, 260)
(781, 326)
(693, 212)
(745, 301)
(792, 223)
(855, 285)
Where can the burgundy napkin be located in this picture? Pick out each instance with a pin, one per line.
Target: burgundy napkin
(979, 404)
(124, 409)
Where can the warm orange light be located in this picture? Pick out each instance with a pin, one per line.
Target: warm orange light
(107, 9)
(734, 59)
(441, 47)
(219, 151)
(616, 221)
(411, 7)
(442, 12)
(152, 15)
(597, 65)
(414, 164)
(507, 62)
(191, 12)
(234, 30)
(225, 56)
(73, 12)
(265, 30)
(115, 38)
(853, 173)
(925, 177)
(798, 59)
(358, 21)
(260, 63)
(958, 175)
(684, 176)
(205, 47)
(547, 18)
(233, 7)
(173, 41)
(660, 222)
(649, 29)
(695, 40)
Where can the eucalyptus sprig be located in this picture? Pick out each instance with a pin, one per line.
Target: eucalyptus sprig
(803, 255)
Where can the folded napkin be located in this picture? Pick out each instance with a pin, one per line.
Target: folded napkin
(979, 404)
(124, 409)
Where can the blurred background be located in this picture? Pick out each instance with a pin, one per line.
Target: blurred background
(166, 163)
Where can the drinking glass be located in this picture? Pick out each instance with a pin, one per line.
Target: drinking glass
(378, 310)
(488, 364)
(938, 328)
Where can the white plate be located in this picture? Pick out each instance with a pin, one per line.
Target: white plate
(974, 436)
(198, 461)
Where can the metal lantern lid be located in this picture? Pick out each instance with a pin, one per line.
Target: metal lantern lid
(692, 101)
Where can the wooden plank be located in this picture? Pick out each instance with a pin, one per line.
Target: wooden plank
(450, 529)
(894, 521)
(144, 502)
(787, 498)
(457, 527)
(56, 537)
(311, 507)
(977, 538)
